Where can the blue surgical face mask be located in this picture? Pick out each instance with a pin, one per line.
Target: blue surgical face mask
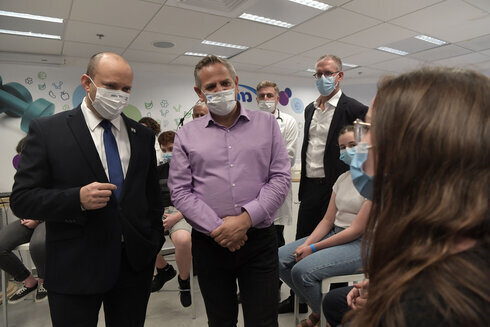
(166, 156)
(325, 85)
(347, 154)
(362, 182)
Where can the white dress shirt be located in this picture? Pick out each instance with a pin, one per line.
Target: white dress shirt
(97, 132)
(319, 127)
(289, 131)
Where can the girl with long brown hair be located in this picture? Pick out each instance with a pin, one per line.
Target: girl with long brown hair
(427, 240)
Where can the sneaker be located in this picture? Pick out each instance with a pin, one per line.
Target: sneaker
(287, 306)
(21, 293)
(163, 275)
(41, 294)
(185, 292)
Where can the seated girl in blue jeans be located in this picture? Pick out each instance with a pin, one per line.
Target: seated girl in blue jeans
(334, 247)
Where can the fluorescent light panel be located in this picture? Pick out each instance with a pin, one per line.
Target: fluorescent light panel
(44, 36)
(29, 16)
(198, 54)
(266, 20)
(395, 51)
(225, 45)
(430, 39)
(311, 70)
(349, 65)
(313, 4)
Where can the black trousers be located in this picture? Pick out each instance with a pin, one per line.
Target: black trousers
(124, 305)
(255, 266)
(280, 235)
(314, 204)
(335, 305)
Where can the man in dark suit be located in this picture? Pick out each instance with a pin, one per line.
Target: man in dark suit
(90, 173)
(320, 163)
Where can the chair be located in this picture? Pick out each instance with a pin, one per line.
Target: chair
(169, 249)
(326, 283)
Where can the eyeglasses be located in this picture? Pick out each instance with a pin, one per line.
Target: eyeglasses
(360, 129)
(326, 74)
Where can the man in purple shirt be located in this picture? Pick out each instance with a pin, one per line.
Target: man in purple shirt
(229, 174)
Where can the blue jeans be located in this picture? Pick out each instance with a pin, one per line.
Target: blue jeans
(305, 277)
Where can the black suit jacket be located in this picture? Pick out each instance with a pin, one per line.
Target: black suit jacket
(347, 110)
(83, 248)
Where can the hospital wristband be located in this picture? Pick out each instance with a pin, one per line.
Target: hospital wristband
(313, 248)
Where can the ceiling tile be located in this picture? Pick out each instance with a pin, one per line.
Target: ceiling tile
(482, 4)
(486, 52)
(369, 57)
(294, 64)
(477, 44)
(337, 48)
(14, 43)
(465, 61)
(240, 31)
(336, 23)
(132, 55)
(386, 10)
(186, 60)
(451, 20)
(51, 8)
(399, 65)
(87, 33)
(245, 67)
(124, 13)
(378, 35)
(443, 52)
(364, 75)
(84, 50)
(292, 42)
(279, 70)
(145, 41)
(184, 22)
(261, 57)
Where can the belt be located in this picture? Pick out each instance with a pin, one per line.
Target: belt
(319, 181)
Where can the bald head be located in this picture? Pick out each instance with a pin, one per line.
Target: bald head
(96, 59)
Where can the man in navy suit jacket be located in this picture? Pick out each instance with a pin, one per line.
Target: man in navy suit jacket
(320, 163)
(101, 239)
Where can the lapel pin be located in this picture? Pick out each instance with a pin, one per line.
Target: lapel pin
(133, 130)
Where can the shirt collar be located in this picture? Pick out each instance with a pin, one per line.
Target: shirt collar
(93, 121)
(243, 113)
(333, 101)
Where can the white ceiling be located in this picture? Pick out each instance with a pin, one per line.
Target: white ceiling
(351, 29)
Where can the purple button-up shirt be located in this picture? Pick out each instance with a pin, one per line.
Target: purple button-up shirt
(217, 172)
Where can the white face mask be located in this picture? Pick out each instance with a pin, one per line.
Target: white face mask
(109, 103)
(267, 105)
(221, 103)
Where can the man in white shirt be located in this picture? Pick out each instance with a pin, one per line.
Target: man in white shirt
(267, 100)
(320, 163)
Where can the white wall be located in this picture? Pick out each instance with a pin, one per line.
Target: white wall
(160, 91)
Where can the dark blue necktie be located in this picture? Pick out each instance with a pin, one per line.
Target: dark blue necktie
(116, 176)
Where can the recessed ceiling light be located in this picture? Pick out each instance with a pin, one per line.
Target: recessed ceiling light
(45, 36)
(391, 50)
(430, 39)
(349, 65)
(266, 20)
(313, 4)
(163, 45)
(29, 16)
(198, 54)
(226, 45)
